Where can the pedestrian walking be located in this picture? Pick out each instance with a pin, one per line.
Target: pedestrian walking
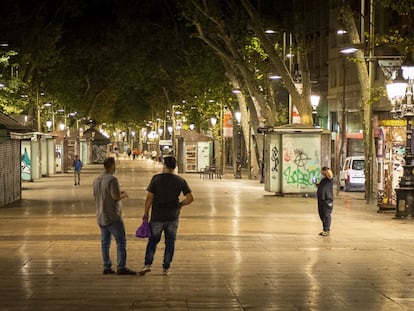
(163, 199)
(325, 200)
(117, 155)
(154, 155)
(108, 198)
(77, 167)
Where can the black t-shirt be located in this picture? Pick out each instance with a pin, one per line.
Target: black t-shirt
(167, 189)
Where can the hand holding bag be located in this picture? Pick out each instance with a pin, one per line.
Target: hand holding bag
(144, 230)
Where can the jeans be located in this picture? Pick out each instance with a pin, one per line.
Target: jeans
(117, 229)
(325, 211)
(170, 233)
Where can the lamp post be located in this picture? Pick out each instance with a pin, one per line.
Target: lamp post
(400, 94)
(213, 121)
(314, 102)
(160, 137)
(49, 105)
(133, 139)
(238, 161)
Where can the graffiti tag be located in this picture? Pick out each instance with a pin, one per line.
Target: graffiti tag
(300, 176)
(275, 159)
(301, 158)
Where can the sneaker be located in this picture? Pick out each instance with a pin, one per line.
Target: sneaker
(108, 271)
(145, 270)
(125, 271)
(165, 272)
(324, 233)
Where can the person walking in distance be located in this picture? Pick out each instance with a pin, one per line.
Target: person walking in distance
(108, 197)
(163, 198)
(77, 167)
(325, 200)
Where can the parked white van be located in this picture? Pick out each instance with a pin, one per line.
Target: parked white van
(352, 174)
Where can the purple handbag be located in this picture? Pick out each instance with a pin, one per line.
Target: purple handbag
(144, 230)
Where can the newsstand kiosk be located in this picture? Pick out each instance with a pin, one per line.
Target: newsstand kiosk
(293, 155)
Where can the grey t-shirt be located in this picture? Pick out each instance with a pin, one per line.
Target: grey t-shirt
(105, 189)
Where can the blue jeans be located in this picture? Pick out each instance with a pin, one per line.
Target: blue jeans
(117, 229)
(170, 234)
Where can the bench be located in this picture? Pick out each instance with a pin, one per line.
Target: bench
(211, 172)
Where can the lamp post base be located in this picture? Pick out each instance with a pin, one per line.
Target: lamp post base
(405, 202)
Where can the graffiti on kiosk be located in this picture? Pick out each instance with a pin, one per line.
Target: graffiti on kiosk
(299, 173)
(275, 159)
(301, 158)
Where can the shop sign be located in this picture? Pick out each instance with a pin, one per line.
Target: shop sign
(398, 122)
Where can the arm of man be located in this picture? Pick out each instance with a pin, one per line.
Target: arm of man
(148, 203)
(115, 191)
(187, 200)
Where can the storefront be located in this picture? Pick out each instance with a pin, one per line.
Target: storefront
(390, 155)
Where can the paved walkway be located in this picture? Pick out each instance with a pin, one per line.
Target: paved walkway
(239, 248)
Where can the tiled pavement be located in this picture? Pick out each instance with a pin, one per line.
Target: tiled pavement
(239, 248)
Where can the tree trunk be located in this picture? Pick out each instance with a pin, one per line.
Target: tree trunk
(301, 100)
(365, 81)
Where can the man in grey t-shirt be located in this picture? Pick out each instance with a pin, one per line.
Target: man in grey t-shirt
(108, 214)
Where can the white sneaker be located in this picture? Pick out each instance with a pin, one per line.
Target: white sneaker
(165, 272)
(145, 270)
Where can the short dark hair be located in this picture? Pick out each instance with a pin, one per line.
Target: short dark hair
(109, 162)
(170, 162)
(325, 168)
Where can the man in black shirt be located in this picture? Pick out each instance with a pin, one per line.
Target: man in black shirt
(163, 197)
(325, 200)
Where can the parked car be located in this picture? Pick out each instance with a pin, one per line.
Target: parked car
(352, 174)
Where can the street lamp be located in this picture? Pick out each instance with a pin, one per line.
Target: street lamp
(238, 175)
(314, 102)
(400, 94)
(49, 125)
(50, 106)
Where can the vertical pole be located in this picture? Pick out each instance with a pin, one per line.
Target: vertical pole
(53, 118)
(363, 21)
(239, 146)
(222, 164)
(343, 125)
(370, 180)
(39, 128)
(249, 151)
(262, 177)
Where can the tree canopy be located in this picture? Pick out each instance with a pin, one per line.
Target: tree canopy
(114, 61)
